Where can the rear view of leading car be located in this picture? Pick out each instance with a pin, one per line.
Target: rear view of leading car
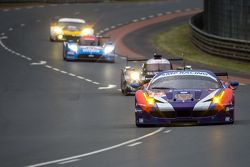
(195, 96)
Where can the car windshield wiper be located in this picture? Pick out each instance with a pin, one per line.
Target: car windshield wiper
(160, 88)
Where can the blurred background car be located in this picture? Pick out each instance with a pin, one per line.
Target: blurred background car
(69, 29)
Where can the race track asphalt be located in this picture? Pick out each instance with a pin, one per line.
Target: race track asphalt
(73, 114)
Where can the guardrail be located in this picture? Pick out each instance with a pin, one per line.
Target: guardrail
(216, 45)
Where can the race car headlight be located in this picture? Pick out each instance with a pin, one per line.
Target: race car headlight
(87, 31)
(57, 30)
(73, 48)
(135, 76)
(108, 49)
(150, 100)
(217, 99)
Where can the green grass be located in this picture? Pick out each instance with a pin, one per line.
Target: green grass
(176, 41)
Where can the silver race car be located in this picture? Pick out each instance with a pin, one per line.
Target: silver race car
(133, 78)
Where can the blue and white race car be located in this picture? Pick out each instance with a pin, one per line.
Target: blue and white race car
(89, 48)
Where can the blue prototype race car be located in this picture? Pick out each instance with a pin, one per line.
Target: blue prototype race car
(89, 48)
(193, 96)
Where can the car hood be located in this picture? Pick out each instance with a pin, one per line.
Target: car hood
(71, 28)
(90, 50)
(191, 99)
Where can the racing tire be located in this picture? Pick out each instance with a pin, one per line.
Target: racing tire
(51, 39)
(125, 90)
(139, 125)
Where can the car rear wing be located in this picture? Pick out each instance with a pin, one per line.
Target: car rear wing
(137, 59)
(221, 74)
(103, 37)
(133, 60)
(175, 59)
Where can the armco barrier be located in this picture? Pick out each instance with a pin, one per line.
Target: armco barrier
(216, 45)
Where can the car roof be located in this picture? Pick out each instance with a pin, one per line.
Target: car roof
(204, 73)
(73, 20)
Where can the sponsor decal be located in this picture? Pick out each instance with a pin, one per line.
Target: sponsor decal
(180, 73)
(183, 97)
(227, 119)
(70, 53)
(91, 49)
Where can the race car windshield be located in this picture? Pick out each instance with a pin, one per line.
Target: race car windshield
(157, 67)
(185, 82)
(88, 43)
(67, 24)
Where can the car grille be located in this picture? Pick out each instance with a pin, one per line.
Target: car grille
(183, 114)
(168, 114)
(203, 113)
(87, 56)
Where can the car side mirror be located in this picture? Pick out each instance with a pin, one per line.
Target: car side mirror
(234, 85)
(135, 85)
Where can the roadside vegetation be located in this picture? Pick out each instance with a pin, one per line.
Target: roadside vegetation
(176, 41)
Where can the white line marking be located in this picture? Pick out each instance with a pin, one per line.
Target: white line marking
(39, 63)
(10, 29)
(97, 83)
(41, 6)
(134, 144)
(64, 72)
(106, 29)
(6, 10)
(177, 11)
(135, 20)
(97, 151)
(73, 75)
(2, 33)
(168, 12)
(89, 80)
(80, 77)
(56, 69)
(17, 8)
(28, 58)
(120, 24)
(242, 84)
(167, 131)
(48, 66)
(151, 16)
(4, 37)
(187, 10)
(119, 90)
(76, 13)
(101, 31)
(112, 27)
(159, 14)
(66, 162)
(38, 21)
(108, 87)
(22, 25)
(143, 18)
